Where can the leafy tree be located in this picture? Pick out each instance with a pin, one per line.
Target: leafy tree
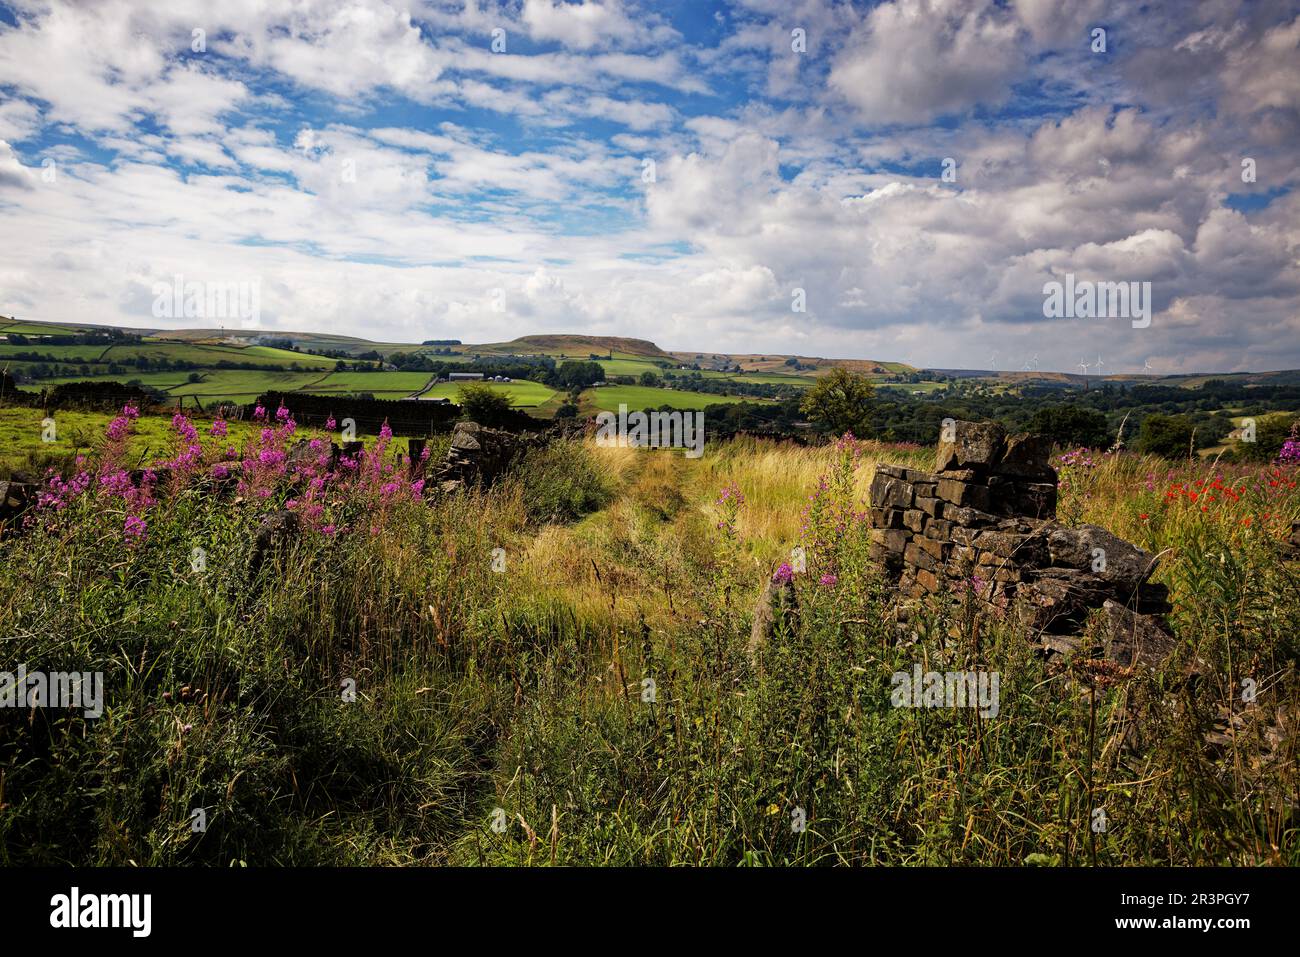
(1270, 432)
(840, 402)
(1169, 436)
(579, 374)
(1072, 425)
(483, 404)
(650, 379)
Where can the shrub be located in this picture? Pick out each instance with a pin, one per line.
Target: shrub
(562, 482)
(1169, 436)
(484, 405)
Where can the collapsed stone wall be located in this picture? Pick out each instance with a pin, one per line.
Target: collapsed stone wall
(479, 455)
(985, 520)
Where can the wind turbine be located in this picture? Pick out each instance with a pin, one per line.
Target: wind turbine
(1084, 366)
(1099, 363)
(1146, 365)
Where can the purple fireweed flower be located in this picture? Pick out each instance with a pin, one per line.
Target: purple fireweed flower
(828, 579)
(219, 429)
(783, 575)
(116, 482)
(330, 424)
(731, 493)
(135, 529)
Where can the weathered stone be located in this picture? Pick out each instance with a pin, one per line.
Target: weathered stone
(887, 492)
(1133, 639)
(466, 437)
(879, 553)
(958, 475)
(964, 536)
(1034, 498)
(886, 518)
(927, 580)
(1061, 644)
(894, 539)
(15, 499)
(1109, 557)
(914, 519)
(928, 489)
(1005, 544)
(975, 445)
(964, 494)
(918, 557)
(968, 517)
(1026, 455)
(931, 506)
(1017, 497)
(934, 547)
(1059, 598)
(938, 528)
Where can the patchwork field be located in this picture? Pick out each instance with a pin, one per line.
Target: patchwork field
(608, 398)
(391, 384)
(524, 395)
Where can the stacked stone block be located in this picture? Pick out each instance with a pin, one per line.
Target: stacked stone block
(984, 521)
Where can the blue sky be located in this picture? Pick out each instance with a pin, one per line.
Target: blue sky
(679, 171)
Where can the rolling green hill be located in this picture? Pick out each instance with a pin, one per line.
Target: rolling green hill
(168, 359)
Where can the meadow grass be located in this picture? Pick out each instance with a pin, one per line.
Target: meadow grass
(584, 695)
(23, 448)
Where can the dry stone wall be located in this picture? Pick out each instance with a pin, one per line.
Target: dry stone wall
(985, 520)
(479, 455)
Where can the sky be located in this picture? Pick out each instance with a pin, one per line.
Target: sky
(893, 181)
